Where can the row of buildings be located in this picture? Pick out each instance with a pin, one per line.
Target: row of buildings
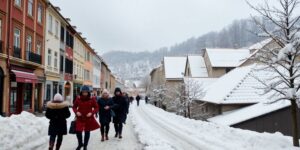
(230, 93)
(42, 54)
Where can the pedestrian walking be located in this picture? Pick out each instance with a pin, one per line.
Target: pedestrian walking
(121, 111)
(138, 98)
(146, 99)
(57, 112)
(106, 106)
(85, 106)
(131, 99)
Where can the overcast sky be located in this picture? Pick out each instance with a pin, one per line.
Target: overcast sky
(138, 25)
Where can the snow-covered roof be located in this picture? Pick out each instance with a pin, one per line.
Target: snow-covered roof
(174, 67)
(227, 57)
(260, 44)
(247, 113)
(197, 66)
(237, 87)
(198, 84)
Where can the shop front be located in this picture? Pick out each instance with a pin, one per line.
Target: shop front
(22, 95)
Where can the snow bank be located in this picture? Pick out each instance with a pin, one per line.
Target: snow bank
(210, 136)
(23, 132)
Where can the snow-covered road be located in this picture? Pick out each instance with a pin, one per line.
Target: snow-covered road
(158, 129)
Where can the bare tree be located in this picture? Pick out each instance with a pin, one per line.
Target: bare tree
(194, 90)
(283, 58)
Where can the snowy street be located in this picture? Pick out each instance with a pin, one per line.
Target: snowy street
(148, 128)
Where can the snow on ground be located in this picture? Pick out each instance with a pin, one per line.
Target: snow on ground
(23, 132)
(129, 141)
(158, 130)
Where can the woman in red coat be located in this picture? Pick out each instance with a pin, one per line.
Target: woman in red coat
(85, 107)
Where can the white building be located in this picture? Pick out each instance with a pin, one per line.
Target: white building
(52, 52)
(96, 74)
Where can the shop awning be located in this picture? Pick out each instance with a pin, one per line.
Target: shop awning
(25, 77)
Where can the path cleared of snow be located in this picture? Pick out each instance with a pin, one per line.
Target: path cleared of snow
(159, 130)
(128, 142)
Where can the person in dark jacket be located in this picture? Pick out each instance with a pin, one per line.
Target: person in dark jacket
(146, 99)
(121, 111)
(85, 107)
(105, 113)
(57, 111)
(138, 98)
(131, 99)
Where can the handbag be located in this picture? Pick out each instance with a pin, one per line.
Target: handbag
(72, 129)
(112, 113)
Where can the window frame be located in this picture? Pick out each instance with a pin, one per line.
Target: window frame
(40, 13)
(30, 8)
(18, 3)
(17, 38)
(50, 23)
(29, 43)
(49, 61)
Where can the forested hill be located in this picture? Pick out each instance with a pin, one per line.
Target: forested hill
(135, 65)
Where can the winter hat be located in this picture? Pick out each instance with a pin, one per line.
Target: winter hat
(85, 88)
(118, 90)
(105, 91)
(58, 98)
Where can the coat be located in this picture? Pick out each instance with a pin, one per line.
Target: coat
(138, 98)
(121, 109)
(85, 106)
(57, 113)
(105, 115)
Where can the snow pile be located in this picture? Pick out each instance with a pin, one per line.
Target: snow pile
(200, 134)
(23, 132)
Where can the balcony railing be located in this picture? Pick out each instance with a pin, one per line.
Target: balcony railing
(30, 56)
(1, 47)
(17, 52)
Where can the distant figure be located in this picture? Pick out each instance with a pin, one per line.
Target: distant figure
(138, 98)
(57, 111)
(131, 99)
(121, 111)
(146, 99)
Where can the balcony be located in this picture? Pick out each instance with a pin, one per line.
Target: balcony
(17, 52)
(1, 47)
(30, 56)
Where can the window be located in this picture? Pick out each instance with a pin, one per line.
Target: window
(50, 21)
(87, 56)
(61, 63)
(62, 34)
(49, 57)
(27, 97)
(56, 28)
(40, 13)
(30, 6)
(86, 75)
(48, 92)
(55, 59)
(38, 48)
(18, 2)
(29, 43)
(17, 40)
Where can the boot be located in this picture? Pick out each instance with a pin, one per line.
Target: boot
(57, 146)
(116, 135)
(51, 145)
(106, 137)
(102, 138)
(79, 146)
(120, 136)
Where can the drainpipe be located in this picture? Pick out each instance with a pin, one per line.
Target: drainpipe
(8, 48)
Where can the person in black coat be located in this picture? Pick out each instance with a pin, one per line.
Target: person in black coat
(146, 99)
(105, 113)
(138, 98)
(121, 111)
(131, 99)
(57, 111)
